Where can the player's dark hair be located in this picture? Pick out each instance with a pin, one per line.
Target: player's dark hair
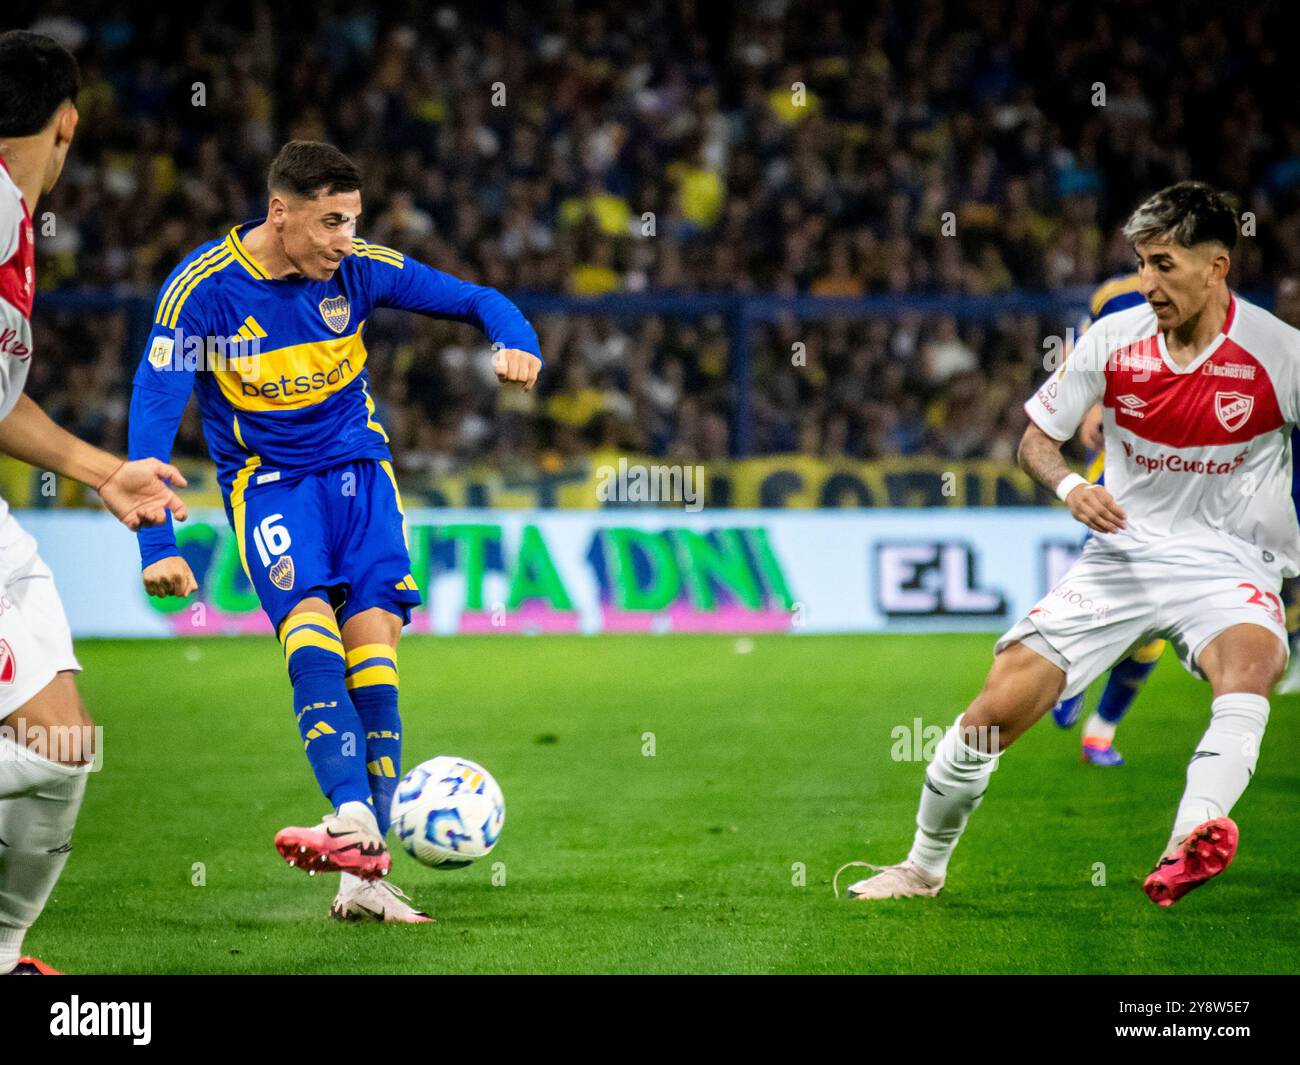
(37, 76)
(1186, 214)
(309, 168)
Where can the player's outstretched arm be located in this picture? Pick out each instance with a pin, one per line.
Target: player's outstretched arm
(415, 286)
(137, 493)
(1040, 457)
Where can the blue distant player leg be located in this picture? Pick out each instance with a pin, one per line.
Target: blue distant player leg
(1122, 687)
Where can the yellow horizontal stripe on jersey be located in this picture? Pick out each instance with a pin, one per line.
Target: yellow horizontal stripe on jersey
(1116, 287)
(293, 377)
(219, 263)
(369, 677)
(173, 290)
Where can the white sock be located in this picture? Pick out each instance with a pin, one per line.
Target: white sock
(1224, 760)
(954, 785)
(36, 820)
(360, 811)
(1098, 728)
(349, 882)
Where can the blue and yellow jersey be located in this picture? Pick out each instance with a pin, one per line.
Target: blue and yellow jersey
(1117, 294)
(279, 365)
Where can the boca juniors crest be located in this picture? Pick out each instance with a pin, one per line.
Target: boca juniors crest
(1232, 409)
(336, 312)
(282, 573)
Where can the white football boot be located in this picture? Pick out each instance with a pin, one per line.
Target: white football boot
(900, 881)
(376, 900)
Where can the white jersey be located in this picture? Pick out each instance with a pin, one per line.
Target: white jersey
(17, 266)
(1199, 458)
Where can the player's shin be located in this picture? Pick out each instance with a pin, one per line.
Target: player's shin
(39, 800)
(955, 782)
(372, 683)
(331, 730)
(1224, 760)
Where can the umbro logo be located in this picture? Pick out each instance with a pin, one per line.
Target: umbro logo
(1131, 404)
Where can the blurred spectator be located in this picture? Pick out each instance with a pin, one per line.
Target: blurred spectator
(811, 148)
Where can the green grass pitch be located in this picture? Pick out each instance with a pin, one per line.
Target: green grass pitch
(764, 763)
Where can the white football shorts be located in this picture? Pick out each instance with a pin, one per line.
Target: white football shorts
(1107, 605)
(35, 641)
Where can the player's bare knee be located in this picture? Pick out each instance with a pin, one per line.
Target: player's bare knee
(375, 625)
(994, 720)
(311, 605)
(1256, 676)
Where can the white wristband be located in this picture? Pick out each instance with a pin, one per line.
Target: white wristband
(1068, 485)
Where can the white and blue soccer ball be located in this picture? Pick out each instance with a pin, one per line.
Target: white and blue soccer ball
(448, 812)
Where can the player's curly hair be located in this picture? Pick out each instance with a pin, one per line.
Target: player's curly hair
(1186, 214)
(308, 168)
(37, 77)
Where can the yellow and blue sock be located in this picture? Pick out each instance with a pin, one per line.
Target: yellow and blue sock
(1126, 680)
(372, 683)
(330, 727)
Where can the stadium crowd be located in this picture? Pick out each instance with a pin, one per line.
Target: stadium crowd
(795, 148)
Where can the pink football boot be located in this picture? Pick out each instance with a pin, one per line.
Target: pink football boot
(339, 844)
(1204, 854)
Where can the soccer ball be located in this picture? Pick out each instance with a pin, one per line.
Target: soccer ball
(448, 812)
